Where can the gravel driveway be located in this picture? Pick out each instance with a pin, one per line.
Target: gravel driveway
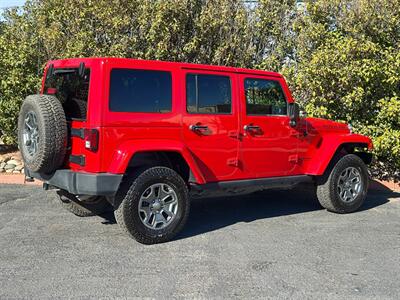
(276, 244)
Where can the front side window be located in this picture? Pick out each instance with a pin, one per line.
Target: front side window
(264, 97)
(140, 91)
(210, 94)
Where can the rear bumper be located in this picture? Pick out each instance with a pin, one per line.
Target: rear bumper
(79, 183)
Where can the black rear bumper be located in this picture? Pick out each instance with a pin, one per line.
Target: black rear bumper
(79, 183)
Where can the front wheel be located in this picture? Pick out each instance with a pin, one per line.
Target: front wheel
(344, 188)
(153, 205)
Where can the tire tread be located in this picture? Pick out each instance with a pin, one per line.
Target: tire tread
(326, 193)
(128, 191)
(52, 151)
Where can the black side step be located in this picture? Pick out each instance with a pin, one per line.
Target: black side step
(236, 187)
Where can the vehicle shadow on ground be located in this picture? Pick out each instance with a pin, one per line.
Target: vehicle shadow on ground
(210, 214)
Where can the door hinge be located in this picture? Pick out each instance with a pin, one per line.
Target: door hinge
(77, 159)
(79, 132)
(234, 162)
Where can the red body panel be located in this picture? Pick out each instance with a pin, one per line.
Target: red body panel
(216, 149)
(225, 152)
(323, 139)
(266, 152)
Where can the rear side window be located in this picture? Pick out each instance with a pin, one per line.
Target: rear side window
(264, 97)
(140, 91)
(71, 89)
(209, 94)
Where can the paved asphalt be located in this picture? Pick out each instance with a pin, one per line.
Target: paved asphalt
(275, 244)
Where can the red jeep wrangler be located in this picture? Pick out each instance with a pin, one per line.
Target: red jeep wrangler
(142, 137)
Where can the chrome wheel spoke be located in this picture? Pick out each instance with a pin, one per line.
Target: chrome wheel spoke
(169, 210)
(166, 193)
(148, 195)
(342, 193)
(353, 175)
(159, 219)
(34, 147)
(28, 126)
(348, 195)
(147, 213)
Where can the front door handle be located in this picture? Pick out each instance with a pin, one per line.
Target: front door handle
(251, 127)
(198, 128)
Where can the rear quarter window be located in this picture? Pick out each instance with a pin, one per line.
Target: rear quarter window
(140, 91)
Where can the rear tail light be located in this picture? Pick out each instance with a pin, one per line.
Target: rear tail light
(51, 91)
(92, 139)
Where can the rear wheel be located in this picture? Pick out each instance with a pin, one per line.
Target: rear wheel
(84, 206)
(153, 205)
(344, 188)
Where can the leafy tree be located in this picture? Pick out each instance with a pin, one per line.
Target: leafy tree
(18, 70)
(222, 34)
(347, 68)
(341, 57)
(273, 35)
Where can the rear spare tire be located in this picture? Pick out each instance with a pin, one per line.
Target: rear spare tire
(42, 133)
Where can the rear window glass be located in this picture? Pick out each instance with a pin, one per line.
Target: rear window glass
(210, 94)
(71, 89)
(140, 91)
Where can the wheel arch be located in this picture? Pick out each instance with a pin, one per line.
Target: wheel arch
(175, 155)
(349, 148)
(333, 148)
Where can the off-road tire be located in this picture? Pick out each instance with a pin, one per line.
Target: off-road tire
(327, 191)
(52, 131)
(93, 206)
(127, 202)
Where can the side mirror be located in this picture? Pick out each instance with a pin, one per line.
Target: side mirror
(294, 114)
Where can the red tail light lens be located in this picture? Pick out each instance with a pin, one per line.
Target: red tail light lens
(51, 91)
(92, 139)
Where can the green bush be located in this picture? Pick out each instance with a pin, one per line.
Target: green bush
(348, 68)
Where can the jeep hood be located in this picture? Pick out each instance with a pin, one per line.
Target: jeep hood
(323, 125)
